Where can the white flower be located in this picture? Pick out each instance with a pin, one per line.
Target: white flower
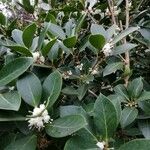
(90, 4)
(80, 67)
(37, 58)
(107, 49)
(67, 74)
(39, 117)
(101, 145)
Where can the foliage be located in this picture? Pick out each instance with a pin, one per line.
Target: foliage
(74, 74)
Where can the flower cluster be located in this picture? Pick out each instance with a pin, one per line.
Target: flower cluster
(80, 67)
(101, 145)
(67, 74)
(39, 117)
(94, 71)
(37, 58)
(107, 49)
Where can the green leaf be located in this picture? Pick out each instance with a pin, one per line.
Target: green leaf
(14, 69)
(10, 101)
(52, 87)
(17, 36)
(56, 30)
(70, 42)
(105, 116)
(25, 143)
(98, 41)
(135, 88)
(80, 23)
(82, 91)
(71, 110)
(145, 95)
(138, 144)
(46, 49)
(20, 49)
(79, 143)
(29, 86)
(42, 36)
(122, 91)
(53, 53)
(98, 29)
(110, 32)
(65, 126)
(123, 48)
(123, 34)
(144, 126)
(9, 117)
(2, 19)
(112, 68)
(28, 34)
(115, 99)
(69, 91)
(128, 116)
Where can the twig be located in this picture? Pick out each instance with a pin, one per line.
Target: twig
(111, 8)
(127, 55)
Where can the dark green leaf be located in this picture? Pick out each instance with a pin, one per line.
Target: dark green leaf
(98, 41)
(128, 116)
(2, 19)
(25, 143)
(65, 126)
(112, 68)
(28, 35)
(139, 144)
(30, 88)
(145, 95)
(105, 116)
(135, 88)
(52, 87)
(14, 69)
(10, 101)
(70, 42)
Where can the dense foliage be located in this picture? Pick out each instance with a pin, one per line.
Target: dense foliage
(74, 74)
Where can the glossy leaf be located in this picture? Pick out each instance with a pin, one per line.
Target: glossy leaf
(123, 48)
(128, 116)
(105, 116)
(70, 42)
(98, 41)
(17, 36)
(112, 68)
(25, 143)
(29, 86)
(10, 101)
(28, 34)
(145, 95)
(124, 34)
(14, 69)
(46, 49)
(135, 88)
(52, 87)
(144, 126)
(20, 49)
(2, 19)
(138, 144)
(56, 31)
(65, 126)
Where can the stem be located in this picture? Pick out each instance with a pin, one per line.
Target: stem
(111, 8)
(127, 55)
